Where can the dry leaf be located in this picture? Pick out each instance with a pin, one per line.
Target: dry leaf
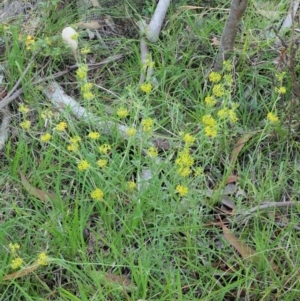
(231, 179)
(40, 194)
(121, 280)
(239, 146)
(22, 272)
(245, 251)
(214, 41)
(89, 25)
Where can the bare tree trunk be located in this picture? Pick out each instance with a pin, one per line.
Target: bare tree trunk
(237, 10)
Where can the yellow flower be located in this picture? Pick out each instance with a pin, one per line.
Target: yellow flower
(227, 65)
(25, 124)
(280, 90)
(188, 139)
(46, 137)
(218, 90)
(85, 50)
(14, 247)
(102, 163)
(210, 131)
(228, 80)
(280, 76)
(210, 101)
(83, 165)
(88, 95)
(94, 135)
(272, 117)
(23, 108)
(29, 42)
(131, 132)
(182, 190)
(122, 112)
(86, 87)
(97, 194)
(16, 263)
(131, 185)
(152, 152)
(147, 124)
(199, 171)
(223, 113)
(72, 147)
(232, 116)
(74, 36)
(214, 77)
(43, 259)
(46, 114)
(81, 72)
(146, 88)
(104, 148)
(208, 120)
(61, 126)
(184, 171)
(75, 139)
(184, 158)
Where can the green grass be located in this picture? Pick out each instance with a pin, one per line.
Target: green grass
(163, 243)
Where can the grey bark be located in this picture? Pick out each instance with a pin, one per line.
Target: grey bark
(230, 30)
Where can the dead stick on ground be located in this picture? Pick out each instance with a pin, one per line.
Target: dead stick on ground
(13, 95)
(265, 206)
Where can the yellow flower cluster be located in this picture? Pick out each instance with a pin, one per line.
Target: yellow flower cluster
(46, 137)
(14, 247)
(272, 117)
(218, 90)
(228, 113)
(29, 42)
(147, 124)
(62, 126)
(23, 108)
(210, 101)
(152, 152)
(214, 77)
(81, 72)
(131, 185)
(86, 92)
(16, 263)
(97, 194)
(210, 126)
(131, 132)
(102, 163)
(43, 259)
(146, 88)
(94, 135)
(25, 125)
(74, 143)
(182, 190)
(184, 162)
(188, 139)
(83, 165)
(122, 112)
(104, 148)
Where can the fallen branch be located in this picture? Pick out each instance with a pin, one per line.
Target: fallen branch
(4, 127)
(265, 206)
(154, 27)
(12, 96)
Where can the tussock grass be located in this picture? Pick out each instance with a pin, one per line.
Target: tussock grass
(156, 238)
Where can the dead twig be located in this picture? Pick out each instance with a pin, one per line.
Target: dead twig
(12, 96)
(266, 206)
